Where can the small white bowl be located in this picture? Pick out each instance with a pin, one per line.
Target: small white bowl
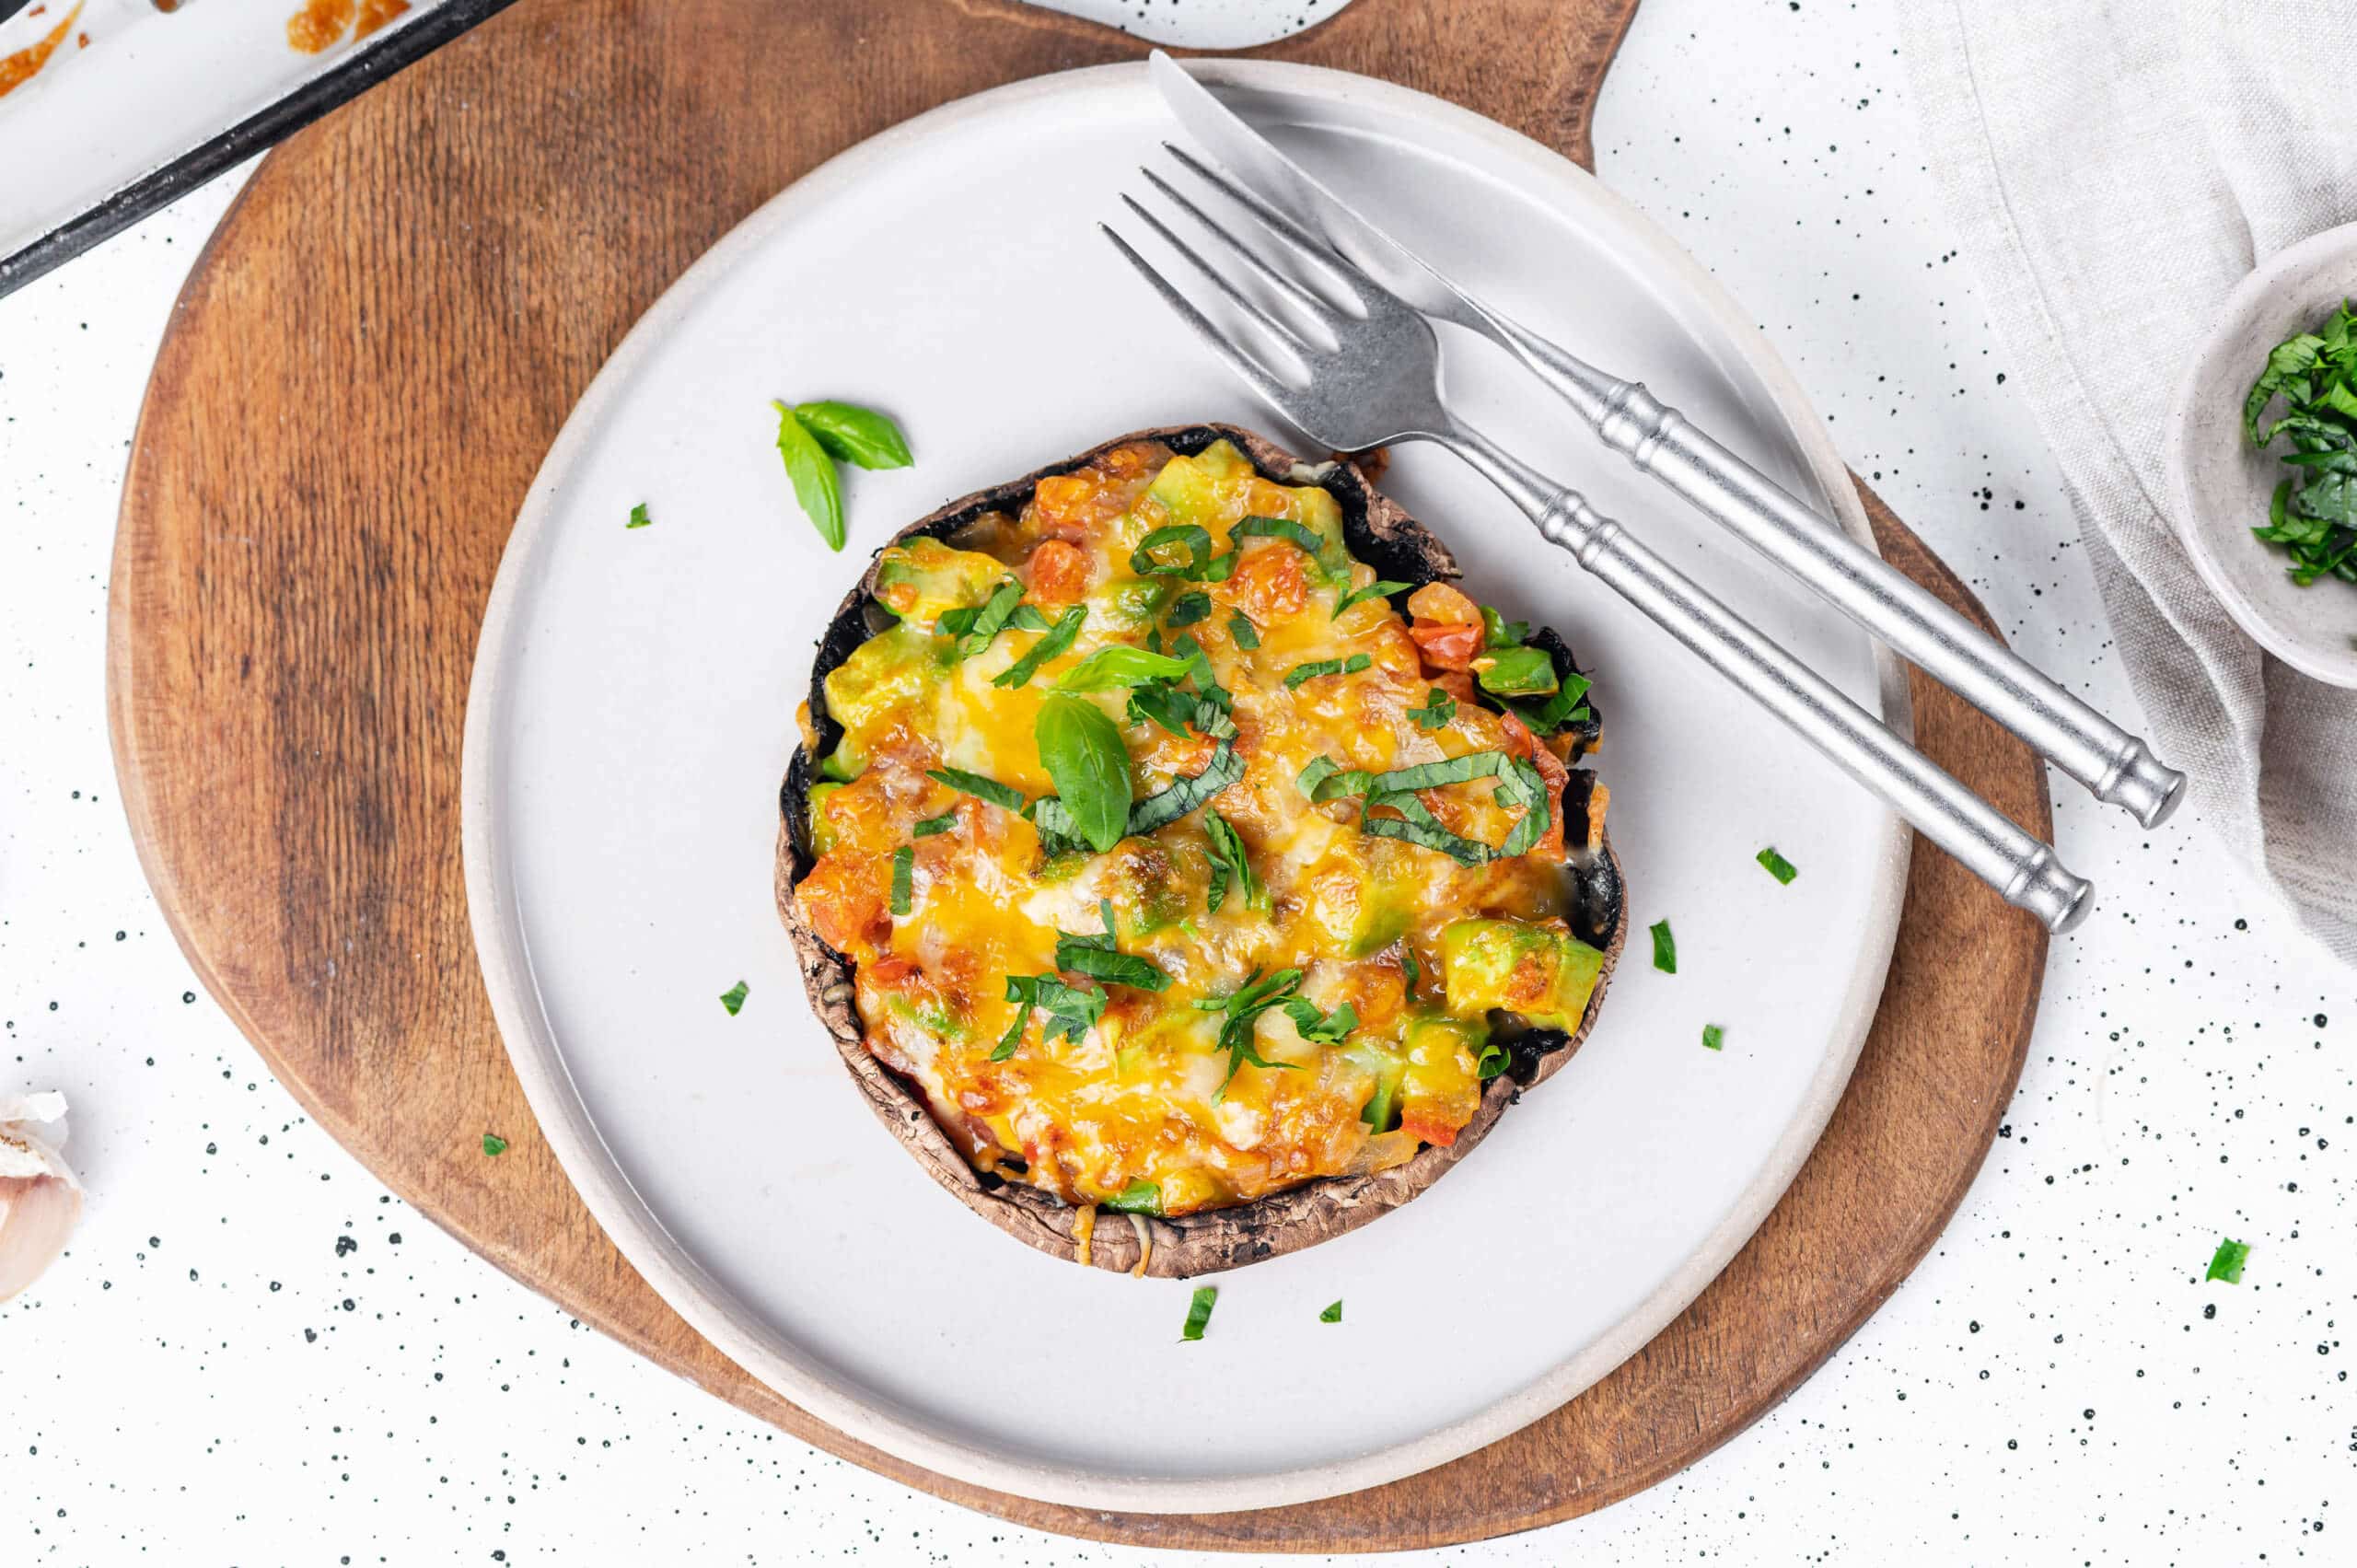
(2220, 484)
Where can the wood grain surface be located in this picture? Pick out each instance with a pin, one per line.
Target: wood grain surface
(359, 382)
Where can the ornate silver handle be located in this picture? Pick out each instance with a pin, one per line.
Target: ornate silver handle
(2117, 766)
(1990, 845)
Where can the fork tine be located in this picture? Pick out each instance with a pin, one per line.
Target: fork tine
(1289, 337)
(1319, 309)
(1270, 385)
(1362, 287)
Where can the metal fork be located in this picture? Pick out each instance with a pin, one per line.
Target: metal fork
(1368, 376)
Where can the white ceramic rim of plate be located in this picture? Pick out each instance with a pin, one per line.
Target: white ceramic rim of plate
(2192, 419)
(674, 1274)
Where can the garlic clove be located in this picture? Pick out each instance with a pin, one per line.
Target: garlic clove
(40, 1199)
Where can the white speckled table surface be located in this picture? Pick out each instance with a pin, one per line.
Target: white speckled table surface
(253, 1354)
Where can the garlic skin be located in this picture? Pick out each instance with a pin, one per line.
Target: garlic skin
(40, 1199)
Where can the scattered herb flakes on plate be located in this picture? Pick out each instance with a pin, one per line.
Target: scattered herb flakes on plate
(2314, 513)
(1199, 1312)
(1332, 1314)
(734, 998)
(2227, 1263)
(494, 1145)
(1713, 1038)
(1665, 949)
(638, 517)
(1783, 870)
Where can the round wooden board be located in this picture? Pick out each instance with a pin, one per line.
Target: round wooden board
(360, 380)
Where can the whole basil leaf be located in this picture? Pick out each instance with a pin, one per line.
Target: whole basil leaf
(855, 434)
(813, 473)
(1081, 748)
(1121, 666)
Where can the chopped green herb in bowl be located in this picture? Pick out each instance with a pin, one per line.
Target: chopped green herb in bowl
(2313, 515)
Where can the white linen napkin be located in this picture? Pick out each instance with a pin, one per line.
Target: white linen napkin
(2114, 168)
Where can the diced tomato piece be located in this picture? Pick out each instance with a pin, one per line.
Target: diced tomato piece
(1269, 584)
(1438, 602)
(847, 896)
(1375, 989)
(1447, 645)
(1061, 573)
(890, 970)
(1425, 1122)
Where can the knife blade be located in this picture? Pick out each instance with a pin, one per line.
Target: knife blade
(1297, 193)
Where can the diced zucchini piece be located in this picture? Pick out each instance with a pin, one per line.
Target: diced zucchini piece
(918, 580)
(1440, 1087)
(1137, 1198)
(887, 670)
(1130, 601)
(822, 831)
(1381, 1111)
(1541, 973)
(1516, 672)
(1197, 490)
(1363, 904)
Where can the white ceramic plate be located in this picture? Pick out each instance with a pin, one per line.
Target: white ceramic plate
(631, 719)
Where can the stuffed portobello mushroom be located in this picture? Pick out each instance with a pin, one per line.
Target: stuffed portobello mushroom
(1186, 870)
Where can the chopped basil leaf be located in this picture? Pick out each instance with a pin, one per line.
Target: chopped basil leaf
(1713, 1038)
(1097, 958)
(1229, 863)
(1521, 786)
(1240, 627)
(1158, 701)
(1058, 639)
(638, 517)
(1324, 779)
(1137, 1198)
(1243, 1007)
(1449, 771)
(1165, 806)
(2312, 514)
(1783, 870)
(974, 626)
(1189, 608)
(1439, 709)
(1026, 618)
(1080, 746)
(1005, 796)
(1493, 1060)
(931, 825)
(1316, 667)
(904, 864)
(1381, 588)
(1072, 1010)
(1152, 556)
(1411, 967)
(1278, 528)
(1199, 1312)
(855, 434)
(1324, 1028)
(1562, 708)
(1497, 632)
(734, 998)
(1334, 1313)
(2227, 1263)
(1109, 668)
(1665, 949)
(494, 1144)
(812, 472)
(1416, 825)
(1119, 968)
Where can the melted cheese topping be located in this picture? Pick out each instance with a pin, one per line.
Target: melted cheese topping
(1140, 1110)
